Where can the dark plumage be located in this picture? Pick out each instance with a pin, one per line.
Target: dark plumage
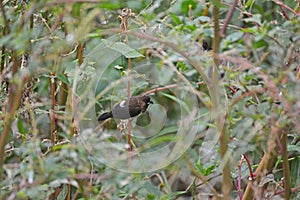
(128, 108)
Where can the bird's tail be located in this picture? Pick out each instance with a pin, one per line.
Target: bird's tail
(105, 116)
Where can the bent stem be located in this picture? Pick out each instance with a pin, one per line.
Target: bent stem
(15, 96)
(217, 112)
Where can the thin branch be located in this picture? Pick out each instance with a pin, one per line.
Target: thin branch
(266, 163)
(286, 168)
(284, 13)
(92, 176)
(124, 16)
(15, 95)
(244, 95)
(239, 185)
(293, 190)
(228, 18)
(249, 167)
(218, 114)
(52, 114)
(72, 1)
(286, 7)
(154, 90)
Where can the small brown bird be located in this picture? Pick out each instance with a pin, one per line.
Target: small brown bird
(128, 108)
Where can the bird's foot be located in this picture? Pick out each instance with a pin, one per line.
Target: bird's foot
(122, 126)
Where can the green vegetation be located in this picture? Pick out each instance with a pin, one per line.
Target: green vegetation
(224, 77)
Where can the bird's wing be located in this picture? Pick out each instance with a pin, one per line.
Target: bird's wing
(121, 110)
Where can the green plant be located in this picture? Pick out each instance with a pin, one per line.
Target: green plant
(222, 89)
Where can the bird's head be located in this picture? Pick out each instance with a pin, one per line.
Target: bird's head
(147, 100)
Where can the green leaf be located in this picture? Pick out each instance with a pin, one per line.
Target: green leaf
(235, 36)
(21, 128)
(205, 170)
(292, 147)
(111, 6)
(63, 78)
(185, 5)
(248, 4)
(175, 18)
(255, 18)
(172, 129)
(219, 4)
(122, 48)
(181, 103)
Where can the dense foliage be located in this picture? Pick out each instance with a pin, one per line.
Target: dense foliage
(224, 77)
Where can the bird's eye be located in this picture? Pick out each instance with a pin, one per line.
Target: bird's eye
(149, 102)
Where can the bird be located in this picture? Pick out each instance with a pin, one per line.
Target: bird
(128, 108)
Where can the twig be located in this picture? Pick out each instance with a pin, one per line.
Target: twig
(284, 13)
(91, 176)
(286, 168)
(161, 88)
(244, 95)
(154, 90)
(249, 167)
(15, 95)
(239, 186)
(124, 16)
(53, 120)
(266, 162)
(71, 1)
(217, 111)
(6, 30)
(228, 18)
(286, 7)
(293, 190)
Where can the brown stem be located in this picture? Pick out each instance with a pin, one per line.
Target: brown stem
(72, 100)
(154, 90)
(63, 94)
(249, 166)
(284, 13)
(239, 184)
(80, 51)
(293, 190)
(128, 94)
(286, 168)
(53, 119)
(15, 95)
(286, 7)
(71, 1)
(3, 55)
(6, 30)
(124, 16)
(57, 22)
(266, 163)
(217, 110)
(216, 41)
(228, 18)
(231, 89)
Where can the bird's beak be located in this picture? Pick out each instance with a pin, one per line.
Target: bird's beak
(150, 102)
